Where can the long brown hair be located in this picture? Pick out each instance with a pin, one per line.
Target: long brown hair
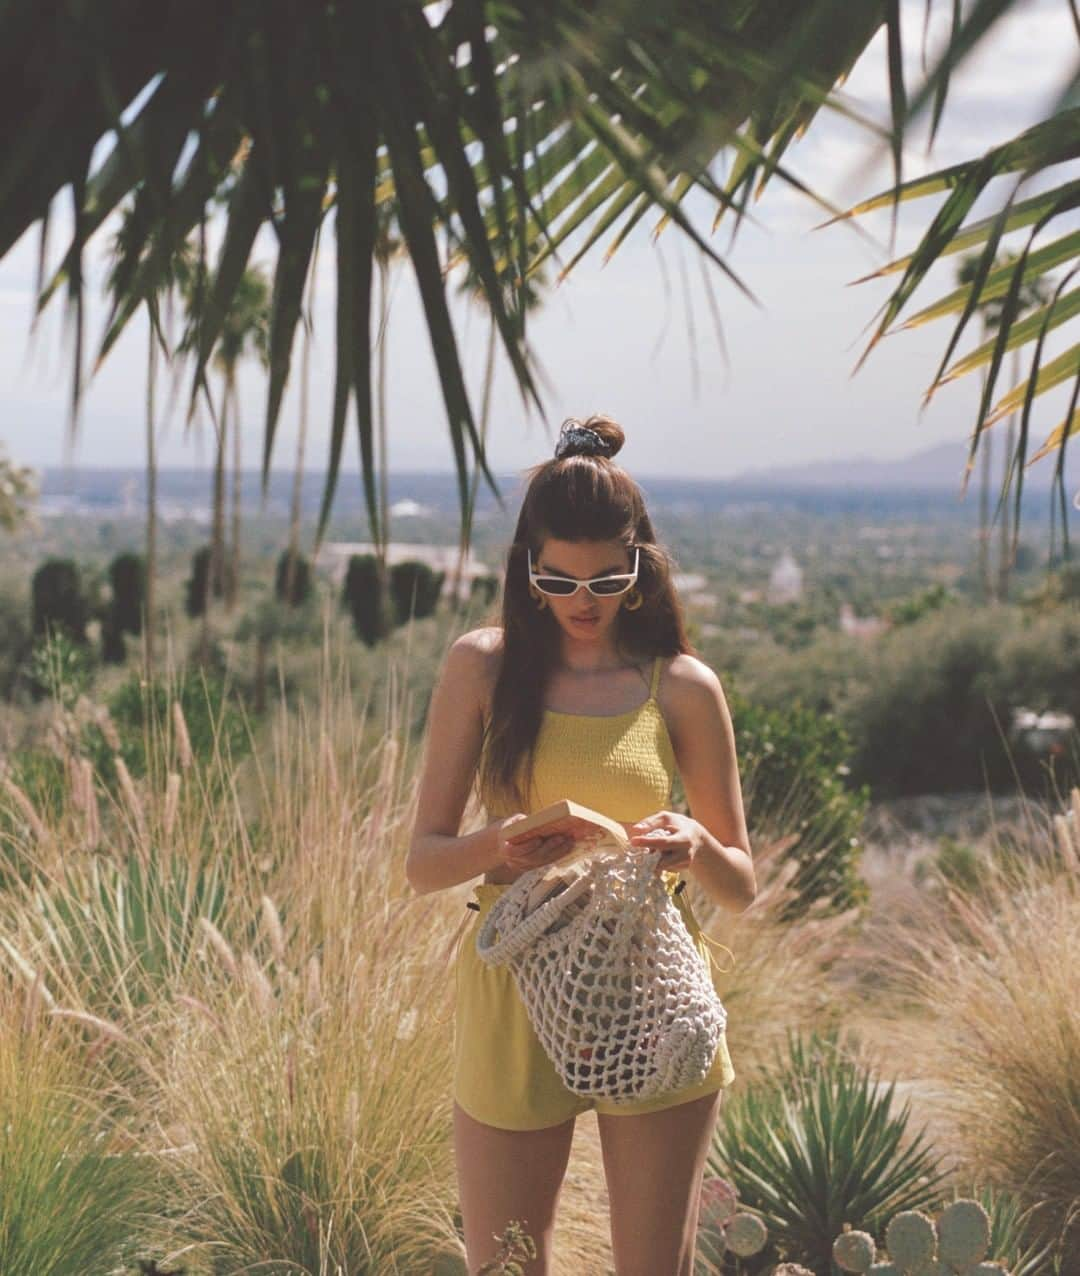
(575, 497)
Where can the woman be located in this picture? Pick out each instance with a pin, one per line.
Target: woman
(549, 705)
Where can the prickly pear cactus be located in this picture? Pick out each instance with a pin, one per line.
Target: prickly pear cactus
(910, 1239)
(919, 1246)
(963, 1234)
(746, 1234)
(854, 1251)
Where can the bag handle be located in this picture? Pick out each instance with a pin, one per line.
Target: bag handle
(531, 926)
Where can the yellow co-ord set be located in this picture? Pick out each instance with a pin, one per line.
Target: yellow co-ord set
(622, 764)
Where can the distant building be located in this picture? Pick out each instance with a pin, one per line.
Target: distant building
(785, 580)
(333, 559)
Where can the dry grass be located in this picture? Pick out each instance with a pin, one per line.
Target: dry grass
(979, 1006)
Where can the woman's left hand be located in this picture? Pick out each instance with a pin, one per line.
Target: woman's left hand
(678, 838)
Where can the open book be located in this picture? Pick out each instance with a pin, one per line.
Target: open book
(609, 834)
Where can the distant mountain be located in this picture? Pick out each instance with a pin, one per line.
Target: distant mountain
(938, 467)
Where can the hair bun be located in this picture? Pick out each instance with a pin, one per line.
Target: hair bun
(597, 436)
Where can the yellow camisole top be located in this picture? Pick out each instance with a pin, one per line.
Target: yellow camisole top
(620, 764)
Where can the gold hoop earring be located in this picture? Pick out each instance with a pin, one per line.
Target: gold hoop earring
(638, 599)
(540, 600)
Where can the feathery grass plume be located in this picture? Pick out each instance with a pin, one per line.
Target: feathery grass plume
(220, 946)
(172, 803)
(131, 797)
(108, 728)
(103, 1026)
(272, 922)
(313, 985)
(31, 974)
(93, 815)
(255, 979)
(186, 1000)
(26, 809)
(76, 782)
(183, 739)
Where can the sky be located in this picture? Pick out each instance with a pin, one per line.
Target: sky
(614, 337)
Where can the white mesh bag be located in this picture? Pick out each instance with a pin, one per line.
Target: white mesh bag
(614, 987)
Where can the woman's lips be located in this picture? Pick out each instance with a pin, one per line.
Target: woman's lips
(586, 620)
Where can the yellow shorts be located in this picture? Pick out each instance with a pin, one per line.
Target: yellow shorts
(502, 1075)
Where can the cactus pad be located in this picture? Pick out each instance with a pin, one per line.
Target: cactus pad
(854, 1251)
(910, 1239)
(746, 1234)
(987, 1269)
(884, 1269)
(932, 1267)
(719, 1201)
(963, 1233)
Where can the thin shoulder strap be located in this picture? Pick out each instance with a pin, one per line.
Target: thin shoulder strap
(655, 677)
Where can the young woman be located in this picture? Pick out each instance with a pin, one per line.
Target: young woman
(548, 706)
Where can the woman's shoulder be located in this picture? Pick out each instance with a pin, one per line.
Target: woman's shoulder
(479, 650)
(685, 679)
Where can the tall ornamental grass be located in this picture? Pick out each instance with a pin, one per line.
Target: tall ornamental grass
(984, 982)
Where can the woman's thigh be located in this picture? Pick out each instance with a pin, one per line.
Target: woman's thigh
(654, 1163)
(509, 1174)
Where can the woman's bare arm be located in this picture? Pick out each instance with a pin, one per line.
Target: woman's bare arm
(438, 857)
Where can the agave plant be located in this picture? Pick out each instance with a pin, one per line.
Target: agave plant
(508, 127)
(817, 1144)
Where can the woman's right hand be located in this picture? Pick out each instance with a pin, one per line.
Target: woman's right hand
(555, 843)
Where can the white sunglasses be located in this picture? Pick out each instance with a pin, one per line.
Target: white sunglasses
(601, 586)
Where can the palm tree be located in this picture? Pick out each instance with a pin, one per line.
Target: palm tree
(244, 331)
(511, 127)
(1033, 293)
(471, 288)
(174, 276)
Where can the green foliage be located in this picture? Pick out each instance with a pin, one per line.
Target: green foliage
(935, 712)
(956, 862)
(127, 576)
(197, 584)
(370, 609)
(816, 1144)
(58, 599)
(120, 930)
(909, 610)
(415, 589)
(59, 668)
(516, 1246)
(141, 711)
(69, 1202)
(800, 752)
(301, 588)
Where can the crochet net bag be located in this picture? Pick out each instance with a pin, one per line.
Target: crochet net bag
(612, 982)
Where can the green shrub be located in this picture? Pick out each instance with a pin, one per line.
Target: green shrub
(796, 764)
(301, 588)
(415, 589)
(196, 585)
(372, 611)
(58, 600)
(128, 579)
(141, 711)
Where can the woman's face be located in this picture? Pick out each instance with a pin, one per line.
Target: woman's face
(583, 615)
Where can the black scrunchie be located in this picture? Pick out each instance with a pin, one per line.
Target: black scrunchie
(580, 440)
